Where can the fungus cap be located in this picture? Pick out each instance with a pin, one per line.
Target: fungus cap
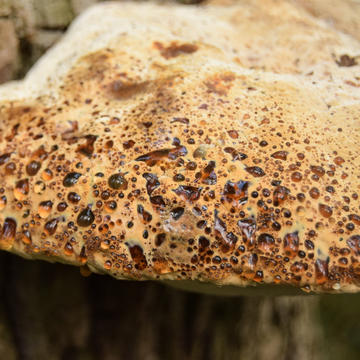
(215, 144)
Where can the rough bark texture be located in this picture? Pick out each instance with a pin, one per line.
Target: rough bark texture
(49, 311)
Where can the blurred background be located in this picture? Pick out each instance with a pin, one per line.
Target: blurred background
(51, 311)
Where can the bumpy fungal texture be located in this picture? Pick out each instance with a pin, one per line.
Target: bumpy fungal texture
(217, 143)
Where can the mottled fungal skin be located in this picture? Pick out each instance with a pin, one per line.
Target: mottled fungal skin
(219, 147)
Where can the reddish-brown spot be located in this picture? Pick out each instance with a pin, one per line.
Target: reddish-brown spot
(174, 49)
(248, 229)
(32, 168)
(220, 84)
(145, 215)
(152, 182)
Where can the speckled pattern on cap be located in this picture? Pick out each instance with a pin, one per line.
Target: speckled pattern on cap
(217, 143)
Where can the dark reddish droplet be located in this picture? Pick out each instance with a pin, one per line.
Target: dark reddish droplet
(325, 210)
(145, 215)
(71, 179)
(4, 158)
(8, 231)
(280, 155)
(85, 218)
(137, 254)
(248, 229)
(50, 227)
(177, 212)
(33, 167)
(159, 239)
(291, 244)
(73, 197)
(21, 189)
(354, 243)
(321, 271)
(265, 241)
(152, 182)
(118, 182)
(255, 171)
(189, 193)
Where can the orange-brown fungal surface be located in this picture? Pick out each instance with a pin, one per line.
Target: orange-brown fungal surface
(218, 143)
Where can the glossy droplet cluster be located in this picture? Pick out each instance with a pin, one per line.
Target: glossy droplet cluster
(147, 161)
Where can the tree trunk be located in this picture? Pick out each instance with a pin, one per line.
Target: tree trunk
(49, 311)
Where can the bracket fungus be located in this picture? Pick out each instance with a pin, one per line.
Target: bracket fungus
(215, 145)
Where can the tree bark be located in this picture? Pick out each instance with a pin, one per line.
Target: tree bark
(49, 311)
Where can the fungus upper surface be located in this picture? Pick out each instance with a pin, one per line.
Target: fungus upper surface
(213, 143)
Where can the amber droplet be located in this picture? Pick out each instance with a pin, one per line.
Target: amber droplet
(339, 160)
(85, 218)
(145, 215)
(280, 155)
(4, 158)
(50, 227)
(160, 238)
(33, 167)
(296, 176)
(280, 195)
(47, 175)
(177, 213)
(107, 265)
(321, 271)
(3, 202)
(45, 208)
(265, 241)
(354, 244)
(68, 249)
(255, 171)
(248, 229)
(138, 256)
(73, 197)
(118, 182)
(325, 210)
(233, 134)
(314, 193)
(21, 189)
(71, 179)
(8, 232)
(318, 170)
(291, 244)
(26, 237)
(110, 206)
(152, 182)
(189, 193)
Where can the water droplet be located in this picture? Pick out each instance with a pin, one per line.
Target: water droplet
(291, 244)
(189, 193)
(280, 155)
(3, 202)
(177, 213)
